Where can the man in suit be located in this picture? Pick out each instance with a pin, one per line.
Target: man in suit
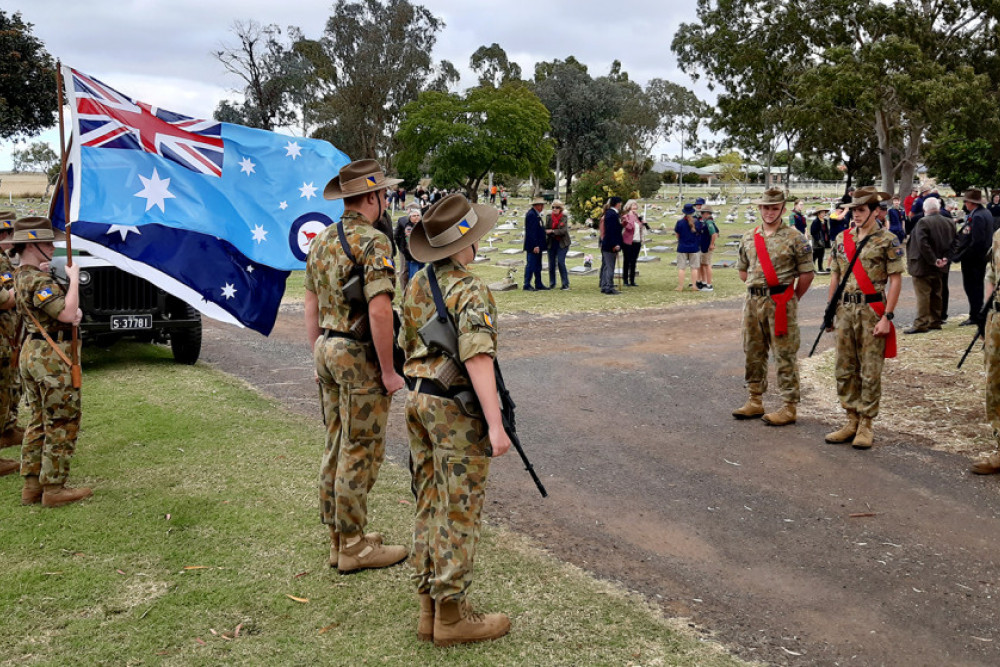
(611, 244)
(534, 245)
(927, 261)
(973, 252)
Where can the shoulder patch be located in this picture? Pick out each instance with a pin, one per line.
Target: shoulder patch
(488, 320)
(43, 294)
(388, 263)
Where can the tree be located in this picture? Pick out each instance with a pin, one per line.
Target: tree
(732, 174)
(372, 59)
(28, 95)
(459, 140)
(898, 67)
(493, 67)
(679, 114)
(274, 78)
(584, 115)
(596, 186)
(38, 157)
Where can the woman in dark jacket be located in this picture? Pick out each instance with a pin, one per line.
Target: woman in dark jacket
(557, 235)
(820, 232)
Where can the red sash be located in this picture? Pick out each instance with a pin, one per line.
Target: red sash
(770, 275)
(866, 286)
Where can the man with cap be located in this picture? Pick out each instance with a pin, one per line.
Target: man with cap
(775, 261)
(453, 418)
(535, 244)
(973, 252)
(819, 230)
(10, 343)
(707, 240)
(50, 312)
(865, 333)
(699, 203)
(352, 349)
(990, 463)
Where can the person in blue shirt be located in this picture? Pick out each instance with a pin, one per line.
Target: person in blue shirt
(689, 230)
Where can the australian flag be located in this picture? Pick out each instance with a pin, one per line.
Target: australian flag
(214, 213)
(136, 165)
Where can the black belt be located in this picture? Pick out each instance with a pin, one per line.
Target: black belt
(330, 333)
(860, 297)
(58, 336)
(425, 386)
(767, 291)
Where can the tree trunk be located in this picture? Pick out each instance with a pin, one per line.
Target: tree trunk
(911, 157)
(569, 185)
(882, 132)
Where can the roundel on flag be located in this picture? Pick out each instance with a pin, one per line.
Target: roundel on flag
(302, 232)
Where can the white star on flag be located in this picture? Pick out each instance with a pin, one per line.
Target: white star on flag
(229, 291)
(247, 166)
(259, 233)
(308, 190)
(124, 230)
(283, 205)
(250, 269)
(293, 150)
(155, 190)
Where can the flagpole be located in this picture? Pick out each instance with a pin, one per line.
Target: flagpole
(75, 370)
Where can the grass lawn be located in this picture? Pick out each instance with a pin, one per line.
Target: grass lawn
(202, 546)
(657, 280)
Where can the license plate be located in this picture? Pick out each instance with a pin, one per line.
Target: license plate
(119, 322)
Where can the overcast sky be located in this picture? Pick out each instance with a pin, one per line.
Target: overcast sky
(161, 52)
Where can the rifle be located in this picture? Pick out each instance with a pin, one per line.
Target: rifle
(831, 307)
(440, 334)
(507, 415)
(981, 328)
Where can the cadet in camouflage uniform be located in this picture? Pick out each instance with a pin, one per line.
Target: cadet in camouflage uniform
(10, 377)
(990, 464)
(790, 256)
(354, 369)
(450, 449)
(862, 333)
(53, 401)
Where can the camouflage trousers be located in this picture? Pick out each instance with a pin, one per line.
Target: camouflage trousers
(992, 360)
(54, 406)
(860, 358)
(10, 388)
(759, 338)
(450, 467)
(356, 408)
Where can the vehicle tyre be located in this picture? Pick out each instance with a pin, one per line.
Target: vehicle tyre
(186, 343)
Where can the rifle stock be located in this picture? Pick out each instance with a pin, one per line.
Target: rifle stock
(507, 414)
(830, 314)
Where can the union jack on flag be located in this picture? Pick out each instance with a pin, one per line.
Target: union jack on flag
(109, 119)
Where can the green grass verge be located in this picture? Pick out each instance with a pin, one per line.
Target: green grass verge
(192, 469)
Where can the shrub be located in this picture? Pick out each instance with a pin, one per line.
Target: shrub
(593, 188)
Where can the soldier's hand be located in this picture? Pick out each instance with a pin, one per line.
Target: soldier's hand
(499, 441)
(73, 272)
(44, 267)
(77, 317)
(882, 328)
(392, 382)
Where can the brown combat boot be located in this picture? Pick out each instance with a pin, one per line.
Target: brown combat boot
(335, 544)
(31, 494)
(425, 624)
(9, 466)
(752, 409)
(57, 495)
(456, 623)
(783, 417)
(846, 432)
(863, 438)
(12, 437)
(362, 553)
(988, 466)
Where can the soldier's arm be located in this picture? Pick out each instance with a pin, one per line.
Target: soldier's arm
(380, 320)
(71, 313)
(484, 382)
(312, 318)
(7, 299)
(803, 283)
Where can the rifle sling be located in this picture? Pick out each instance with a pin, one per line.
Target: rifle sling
(48, 339)
(347, 248)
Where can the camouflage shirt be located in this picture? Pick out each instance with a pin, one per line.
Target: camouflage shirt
(10, 321)
(470, 305)
(328, 268)
(881, 257)
(789, 250)
(993, 270)
(38, 293)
